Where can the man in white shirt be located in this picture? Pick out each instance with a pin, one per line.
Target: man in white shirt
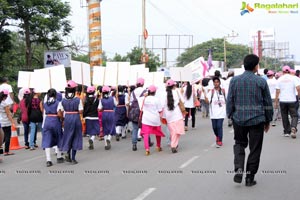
(286, 93)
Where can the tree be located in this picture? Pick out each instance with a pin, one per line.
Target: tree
(135, 58)
(234, 53)
(41, 22)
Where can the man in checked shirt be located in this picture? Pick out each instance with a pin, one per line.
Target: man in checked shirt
(249, 105)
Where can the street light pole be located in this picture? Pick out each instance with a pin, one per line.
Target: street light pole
(233, 35)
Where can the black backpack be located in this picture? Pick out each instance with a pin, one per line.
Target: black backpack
(134, 110)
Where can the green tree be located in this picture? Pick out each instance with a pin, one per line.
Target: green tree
(234, 52)
(135, 58)
(41, 22)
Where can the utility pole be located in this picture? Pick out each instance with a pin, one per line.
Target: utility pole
(232, 35)
(144, 57)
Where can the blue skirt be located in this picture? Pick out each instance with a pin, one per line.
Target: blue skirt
(92, 126)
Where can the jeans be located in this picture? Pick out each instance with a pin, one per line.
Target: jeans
(286, 109)
(217, 125)
(6, 139)
(26, 132)
(134, 135)
(256, 135)
(193, 110)
(33, 132)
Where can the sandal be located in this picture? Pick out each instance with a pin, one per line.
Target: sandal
(8, 153)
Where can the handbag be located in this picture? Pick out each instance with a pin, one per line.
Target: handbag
(181, 105)
(141, 115)
(197, 103)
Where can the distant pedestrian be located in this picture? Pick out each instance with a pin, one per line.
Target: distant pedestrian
(249, 104)
(24, 105)
(286, 88)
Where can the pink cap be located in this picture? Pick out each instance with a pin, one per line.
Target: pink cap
(170, 82)
(90, 89)
(286, 68)
(26, 91)
(6, 92)
(71, 84)
(292, 71)
(140, 81)
(270, 73)
(152, 88)
(278, 74)
(105, 89)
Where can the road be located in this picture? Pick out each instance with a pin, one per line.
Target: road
(198, 171)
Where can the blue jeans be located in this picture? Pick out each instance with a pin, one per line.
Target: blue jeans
(135, 129)
(217, 125)
(26, 132)
(33, 131)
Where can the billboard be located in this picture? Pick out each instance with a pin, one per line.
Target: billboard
(54, 58)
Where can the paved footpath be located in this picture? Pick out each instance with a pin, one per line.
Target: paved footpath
(198, 171)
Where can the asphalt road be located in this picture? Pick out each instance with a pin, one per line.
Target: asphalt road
(198, 171)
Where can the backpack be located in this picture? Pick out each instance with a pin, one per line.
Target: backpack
(134, 110)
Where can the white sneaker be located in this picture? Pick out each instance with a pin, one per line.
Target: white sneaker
(286, 135)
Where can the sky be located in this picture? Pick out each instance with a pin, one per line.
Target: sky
(204, 20)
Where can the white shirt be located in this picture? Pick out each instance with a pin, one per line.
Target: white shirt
(287, 84)
(5, 86)
(173, 115)
(3, 116)
(151, 109)
(215, 111)
(272, 87)
(226, 85)
(188, 103)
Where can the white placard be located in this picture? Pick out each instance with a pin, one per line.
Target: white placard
(55, 58)
(58, 78)
(198, 69)
(123, 69)
(40, 80)
(24, 79)
(158, 78)
(175, 73)
(81, 73)
(98, 75)
(110, 76)
(186, 74)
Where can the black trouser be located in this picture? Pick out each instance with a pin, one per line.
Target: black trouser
(286, 109)
(256, 135)
(7, 136)
(193, 110)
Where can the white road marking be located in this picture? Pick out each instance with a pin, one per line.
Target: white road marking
(145, 194)
(188, 162)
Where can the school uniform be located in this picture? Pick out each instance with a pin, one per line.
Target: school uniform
(121, 115)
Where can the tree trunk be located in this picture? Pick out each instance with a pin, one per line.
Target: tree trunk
(28, 54)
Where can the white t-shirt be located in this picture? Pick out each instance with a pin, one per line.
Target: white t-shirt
(188, 103)
(287, 84)
(173, 115)
(272, 87)
(151, 109)
(5, 86)
(215, 110)
(4, 120)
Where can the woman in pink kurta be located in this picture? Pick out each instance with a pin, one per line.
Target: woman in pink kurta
(173, 115)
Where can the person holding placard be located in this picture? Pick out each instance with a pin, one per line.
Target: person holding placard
(99, 96)
(72, 134)
(173, 114)
(24, 104)
(107, 105)
(189, 96)
(52, 129)
(90, 114)
(120, 114)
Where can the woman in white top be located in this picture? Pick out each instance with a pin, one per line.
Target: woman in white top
(151, 123)
(216, 99)
(189, 97)
(6, 121)
(173, 114)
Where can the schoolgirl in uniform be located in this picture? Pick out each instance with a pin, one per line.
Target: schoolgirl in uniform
(72, 134)
(52, 129)
(107, 105)
(99, 96)
(121, 114)
(90, 114)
